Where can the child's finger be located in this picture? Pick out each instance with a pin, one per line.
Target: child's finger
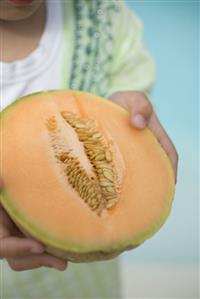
(33, 262)
(16, 247)
(140, 110)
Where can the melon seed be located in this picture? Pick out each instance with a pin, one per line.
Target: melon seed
(110, 204)
(96, 135)
(104, 183)
(108, 156)
(80, 125)
(63, 157)
(108, 175)
(110, 189)
(99, 157)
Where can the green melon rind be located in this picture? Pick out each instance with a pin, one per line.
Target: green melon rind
(61, 245)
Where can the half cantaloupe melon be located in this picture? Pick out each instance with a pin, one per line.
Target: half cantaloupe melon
(79, 178)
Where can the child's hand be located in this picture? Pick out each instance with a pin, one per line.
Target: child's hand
(142, 115)
(23, 253)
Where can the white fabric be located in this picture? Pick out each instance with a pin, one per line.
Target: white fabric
(42, 68)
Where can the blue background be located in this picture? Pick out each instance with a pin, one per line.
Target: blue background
(171, 35)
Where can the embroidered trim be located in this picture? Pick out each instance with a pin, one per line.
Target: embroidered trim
(93, 45)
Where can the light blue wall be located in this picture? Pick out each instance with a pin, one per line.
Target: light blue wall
(171, 34)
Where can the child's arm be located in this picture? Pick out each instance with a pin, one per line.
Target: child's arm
(132, 76)
(23, 253)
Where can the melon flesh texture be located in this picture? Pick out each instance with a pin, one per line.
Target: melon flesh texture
(41, 201)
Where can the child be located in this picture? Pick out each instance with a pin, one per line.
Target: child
(78, 44)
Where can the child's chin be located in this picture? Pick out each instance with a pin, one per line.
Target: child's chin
(23, 3)
(14, 10)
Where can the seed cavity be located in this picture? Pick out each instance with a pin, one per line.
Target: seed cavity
(99, 190)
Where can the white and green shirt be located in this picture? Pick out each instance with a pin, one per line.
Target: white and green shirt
(88, 45)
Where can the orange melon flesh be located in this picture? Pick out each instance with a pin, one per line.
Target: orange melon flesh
(41, 201)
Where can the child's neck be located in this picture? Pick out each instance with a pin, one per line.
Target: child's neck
(19, 38)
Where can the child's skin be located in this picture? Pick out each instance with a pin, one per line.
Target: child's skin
(16, 23)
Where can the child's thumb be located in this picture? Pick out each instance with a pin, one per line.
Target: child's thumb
(141, 111)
